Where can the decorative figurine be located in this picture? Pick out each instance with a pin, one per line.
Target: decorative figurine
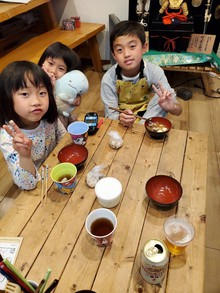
(175, 11)
(142, 11)
(175, 6)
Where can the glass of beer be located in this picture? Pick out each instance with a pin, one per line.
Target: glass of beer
(179, 232)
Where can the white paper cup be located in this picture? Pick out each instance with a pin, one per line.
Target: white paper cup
(108, 191)
(100, 225)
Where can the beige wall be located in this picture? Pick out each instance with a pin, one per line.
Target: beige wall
(93, 11)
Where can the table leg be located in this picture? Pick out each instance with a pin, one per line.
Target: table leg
(49, 15)
(95, 55)
(206, 82)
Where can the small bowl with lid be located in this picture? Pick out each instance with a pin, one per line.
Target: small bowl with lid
(108, 192)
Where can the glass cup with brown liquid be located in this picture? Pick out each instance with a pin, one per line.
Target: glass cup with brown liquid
(179, 232)
(100, 225)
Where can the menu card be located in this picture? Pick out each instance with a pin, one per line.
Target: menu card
(9, 247)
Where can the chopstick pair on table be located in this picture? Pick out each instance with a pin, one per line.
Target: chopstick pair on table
(44, 183)
(42, 285)
(122, 111)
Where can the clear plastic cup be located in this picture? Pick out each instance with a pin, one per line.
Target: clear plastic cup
(179, 232)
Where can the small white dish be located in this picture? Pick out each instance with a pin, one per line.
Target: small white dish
(108, 191)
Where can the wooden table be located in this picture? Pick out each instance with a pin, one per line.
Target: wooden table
(55, 236)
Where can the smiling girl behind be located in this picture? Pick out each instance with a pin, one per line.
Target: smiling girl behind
(30, 128)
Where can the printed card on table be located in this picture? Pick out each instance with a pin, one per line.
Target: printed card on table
(9, 247)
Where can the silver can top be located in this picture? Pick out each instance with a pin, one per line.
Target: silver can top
(155, 250)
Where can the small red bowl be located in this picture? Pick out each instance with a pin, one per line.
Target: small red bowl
(158, 127)
(164, 191)
(73, 153)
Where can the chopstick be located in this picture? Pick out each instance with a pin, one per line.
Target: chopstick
(52, 286)
(38, 289)
(122, 111)
(44, 183)
(46, 278)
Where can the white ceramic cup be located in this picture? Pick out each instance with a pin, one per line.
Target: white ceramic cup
(100, 225)
(108, 191)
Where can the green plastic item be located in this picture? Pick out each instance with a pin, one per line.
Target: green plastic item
(18, 274)
(171, 58)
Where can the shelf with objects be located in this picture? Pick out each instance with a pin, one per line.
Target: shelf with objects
(170, 24)
(180, 18)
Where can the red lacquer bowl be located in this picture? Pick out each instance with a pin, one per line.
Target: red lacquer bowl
(73, 153)
(164, 191)
(158, 127)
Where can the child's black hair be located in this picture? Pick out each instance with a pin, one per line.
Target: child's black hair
(61, 51)
(127, 28)
(14, 77)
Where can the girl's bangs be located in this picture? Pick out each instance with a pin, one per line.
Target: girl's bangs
(35, 79)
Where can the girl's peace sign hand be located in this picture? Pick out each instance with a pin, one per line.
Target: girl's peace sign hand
(21, 143)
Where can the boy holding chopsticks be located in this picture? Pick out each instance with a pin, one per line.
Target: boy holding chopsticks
(128, 84)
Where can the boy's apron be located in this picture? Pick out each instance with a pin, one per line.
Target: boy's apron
(133, 96)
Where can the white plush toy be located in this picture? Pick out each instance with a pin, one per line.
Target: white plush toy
(67, 88)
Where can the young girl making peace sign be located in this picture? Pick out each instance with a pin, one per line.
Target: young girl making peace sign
(30, 128)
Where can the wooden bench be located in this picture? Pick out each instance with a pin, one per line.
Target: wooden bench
(33, 48)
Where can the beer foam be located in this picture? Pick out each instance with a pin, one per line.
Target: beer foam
(178, 232)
